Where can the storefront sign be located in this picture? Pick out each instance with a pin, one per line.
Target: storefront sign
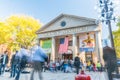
(87, 49)
(63, 32)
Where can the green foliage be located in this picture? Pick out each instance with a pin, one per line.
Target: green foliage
(117, 39)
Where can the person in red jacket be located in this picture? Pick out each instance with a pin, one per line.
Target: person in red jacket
(94, 66)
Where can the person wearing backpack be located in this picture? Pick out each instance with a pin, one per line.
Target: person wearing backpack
(4, 61)
(77, 63)
(38, 58)
(22, 55)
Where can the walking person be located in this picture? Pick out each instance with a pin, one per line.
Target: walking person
(22, 57)
(14, 62)
(57, 65)
(38, 59)
(94, 67)
(99, 66)
(45, 66)
(65, 65)
(0, 64)
(77, 63)
(89, 65)
(4, 61)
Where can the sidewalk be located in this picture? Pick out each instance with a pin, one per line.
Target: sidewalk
(57, 76)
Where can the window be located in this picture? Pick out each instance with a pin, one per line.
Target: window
(63, 23)
(70, 43)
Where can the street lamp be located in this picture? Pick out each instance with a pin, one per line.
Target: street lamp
(107, 16)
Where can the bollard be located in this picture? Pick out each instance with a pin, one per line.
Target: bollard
(82, 76)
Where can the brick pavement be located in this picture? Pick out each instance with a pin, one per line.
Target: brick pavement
(57, 76)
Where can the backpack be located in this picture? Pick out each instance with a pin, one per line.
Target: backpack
(77, 59)
(46, 59)
(23, 62)
(77, 62)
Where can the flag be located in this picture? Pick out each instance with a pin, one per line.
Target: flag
(63, 47)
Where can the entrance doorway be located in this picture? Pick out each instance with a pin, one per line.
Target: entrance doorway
(89, 56)
(67, 56)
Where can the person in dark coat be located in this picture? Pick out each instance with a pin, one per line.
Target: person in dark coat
(22, 57)
(14, 62)
(0, 63)
(77, 63)
(4, 61)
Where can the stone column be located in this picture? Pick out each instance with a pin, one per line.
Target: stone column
(98, 47)
(39, 41)
(53, 49)
(75, 48)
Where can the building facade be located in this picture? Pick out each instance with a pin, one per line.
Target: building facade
(83, 33)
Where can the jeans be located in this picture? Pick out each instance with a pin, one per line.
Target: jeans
(3, 68)
(37, 67)
(89, 68)
(18, 74)
(77, 70)
(40, 75)
(13, 70)
(0, 69)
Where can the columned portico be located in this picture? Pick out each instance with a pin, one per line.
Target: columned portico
(84, 37)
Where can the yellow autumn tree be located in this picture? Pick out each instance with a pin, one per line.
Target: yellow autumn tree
(5, 33)
(5, 36)
(23, 30)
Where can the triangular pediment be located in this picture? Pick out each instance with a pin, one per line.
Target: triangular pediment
(65, 21)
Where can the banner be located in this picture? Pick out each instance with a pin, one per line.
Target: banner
(46, 45)
(87, 42)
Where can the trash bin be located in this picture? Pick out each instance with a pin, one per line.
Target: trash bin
(82, 76)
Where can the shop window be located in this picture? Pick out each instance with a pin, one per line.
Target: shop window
(88, 56)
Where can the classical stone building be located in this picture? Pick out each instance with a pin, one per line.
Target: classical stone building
(83, 33)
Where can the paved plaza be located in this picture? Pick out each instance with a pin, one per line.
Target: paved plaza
(57, 76)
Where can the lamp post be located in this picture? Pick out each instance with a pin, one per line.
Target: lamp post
(106, 16)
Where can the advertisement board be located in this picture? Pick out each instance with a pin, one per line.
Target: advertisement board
(87, 42)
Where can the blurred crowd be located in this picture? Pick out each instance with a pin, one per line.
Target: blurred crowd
(38, 61)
